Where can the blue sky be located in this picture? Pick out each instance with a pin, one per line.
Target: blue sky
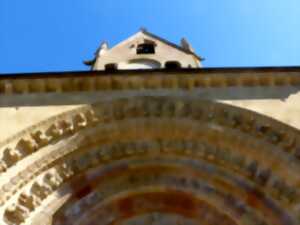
(57, 35)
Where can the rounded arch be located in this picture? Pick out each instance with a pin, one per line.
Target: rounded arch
(142, 63)
(172, 65)
(240, 165)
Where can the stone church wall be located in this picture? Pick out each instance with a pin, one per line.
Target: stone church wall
(282, 104)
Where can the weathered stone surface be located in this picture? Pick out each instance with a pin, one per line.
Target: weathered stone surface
(151, 147)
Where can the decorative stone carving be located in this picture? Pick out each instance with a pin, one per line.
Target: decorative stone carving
(40, 138)
(54, 131)
(53, 180)
(66, 126)
(11, 156)
(29, 201)
(80, 121)
(40, 190)
(3, 166)
(16, 214)
(226, 151)
(91, 117)
(26, 146)
(65, 170)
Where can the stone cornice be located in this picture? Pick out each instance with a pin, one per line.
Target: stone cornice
(185, 79)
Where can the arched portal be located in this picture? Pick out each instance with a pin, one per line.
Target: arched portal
(153, 160)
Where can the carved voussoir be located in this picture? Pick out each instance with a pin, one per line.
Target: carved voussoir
(66, 127)
(40, 138)
(29, 201)
(11, 156)
(65, 170)
(53, 180)
(26, 146)
(54, 131)
(39, 190)
(3, 166)
(16, 214)
(91, 117)
(80, 121)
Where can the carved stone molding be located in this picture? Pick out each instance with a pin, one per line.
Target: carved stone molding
(257, 150)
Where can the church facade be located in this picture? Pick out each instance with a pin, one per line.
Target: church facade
(149, 136)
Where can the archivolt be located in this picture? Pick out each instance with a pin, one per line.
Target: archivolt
(232, 163)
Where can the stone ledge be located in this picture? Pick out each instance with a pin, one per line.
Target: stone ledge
(185, 79)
